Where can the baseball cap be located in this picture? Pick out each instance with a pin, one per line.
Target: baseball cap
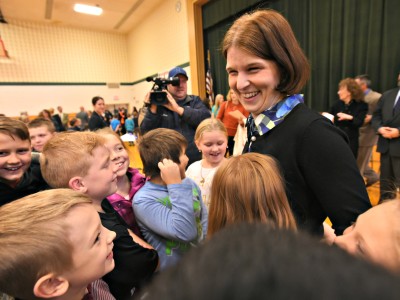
(176, 71)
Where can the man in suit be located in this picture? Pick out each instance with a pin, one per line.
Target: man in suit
(63, 117)
(368, 136)
(386, 122)
(55, 118)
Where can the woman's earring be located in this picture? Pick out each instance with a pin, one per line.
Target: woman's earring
(199, 150)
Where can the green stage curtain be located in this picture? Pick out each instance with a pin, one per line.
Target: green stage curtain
(341, 38)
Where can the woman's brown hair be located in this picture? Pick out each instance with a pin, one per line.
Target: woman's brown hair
(268, 35)
(353, 87)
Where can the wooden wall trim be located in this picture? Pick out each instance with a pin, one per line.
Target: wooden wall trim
(196, 46)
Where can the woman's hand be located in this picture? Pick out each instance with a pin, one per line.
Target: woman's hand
(343, 117)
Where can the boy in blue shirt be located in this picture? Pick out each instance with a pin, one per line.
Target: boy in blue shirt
(130, 127)
(169, 207)
(115, 124)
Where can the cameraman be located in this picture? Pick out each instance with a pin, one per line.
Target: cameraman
(182, 113)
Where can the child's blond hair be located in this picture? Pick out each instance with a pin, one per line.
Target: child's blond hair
(67, 155)
(108, 130)
(41, 122)
(208, 125)
(34, 239)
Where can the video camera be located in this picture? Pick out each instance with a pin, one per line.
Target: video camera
(157, 95)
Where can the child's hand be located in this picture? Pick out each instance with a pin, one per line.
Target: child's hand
(139, 241)
(170, 172)
(329, 234)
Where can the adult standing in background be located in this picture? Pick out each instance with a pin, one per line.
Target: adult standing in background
(386, 122)
(63, 116)
(267, 69)
(232, 113)
(45, 114)
(122, 117)
(97, 120)
(56, 119)
(368, 136)
(349, 111)
(83, 116)
(219, 99)
(182, 113)
(135, 114)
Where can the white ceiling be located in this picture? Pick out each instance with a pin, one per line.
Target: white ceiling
(118, 15)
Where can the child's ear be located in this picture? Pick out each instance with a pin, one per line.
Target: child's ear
(76, 183)
(50, 286)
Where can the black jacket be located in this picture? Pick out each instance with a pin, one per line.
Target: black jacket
(321, 174)
(383, 116)
(194, 112)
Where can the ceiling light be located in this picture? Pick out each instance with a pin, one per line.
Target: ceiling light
(88, 9)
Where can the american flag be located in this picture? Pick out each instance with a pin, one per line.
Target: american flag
(3, 51)
(209, 86)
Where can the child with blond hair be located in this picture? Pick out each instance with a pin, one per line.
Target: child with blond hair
(82, 162)
(211, 139)
(53, 246)
(40, 131)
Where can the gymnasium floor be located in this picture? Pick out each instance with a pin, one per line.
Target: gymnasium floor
(373, 190)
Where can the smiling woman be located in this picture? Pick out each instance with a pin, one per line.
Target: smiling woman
(267, 70)
(97, 120)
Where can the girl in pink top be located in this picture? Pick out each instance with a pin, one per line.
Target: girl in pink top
(129, 180)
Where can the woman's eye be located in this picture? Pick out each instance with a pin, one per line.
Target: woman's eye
(97, 238)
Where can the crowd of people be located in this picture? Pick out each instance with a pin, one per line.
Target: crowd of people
(77, 222)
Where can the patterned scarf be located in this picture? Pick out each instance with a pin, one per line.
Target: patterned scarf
(272, 116)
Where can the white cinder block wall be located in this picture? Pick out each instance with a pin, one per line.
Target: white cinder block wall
(42, 55)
